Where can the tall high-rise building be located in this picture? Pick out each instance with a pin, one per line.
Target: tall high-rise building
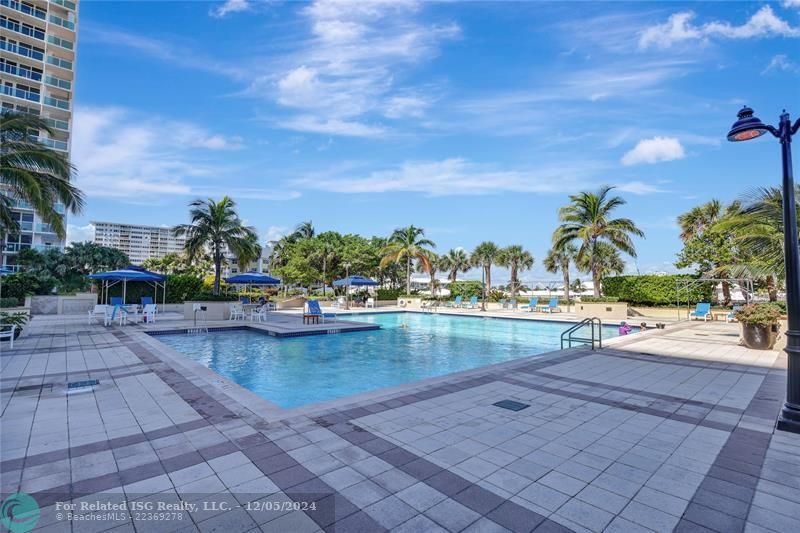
(37, 76)
(138, 241)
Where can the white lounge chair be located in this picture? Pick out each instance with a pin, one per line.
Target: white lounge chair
(149, 313)
(98, 313)
(259, 314)
(115, 312)
(370, 303)
(236, 312)
(9, 334)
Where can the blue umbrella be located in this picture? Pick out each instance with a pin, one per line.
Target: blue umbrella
(357, 281)
(252, 278)
(130, 274)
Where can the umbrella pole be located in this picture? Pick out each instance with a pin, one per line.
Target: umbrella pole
(124, 291)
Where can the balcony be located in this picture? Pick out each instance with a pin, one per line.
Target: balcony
(13, 247)
(22, 51)
(56, 102)
(58, 41)
(58, 21)
(19, 204)
(58, 62)
(56, 124)
(15, 26)
(59, 208)
(21, 71)
(20, 93)
(58, 82)
(44, 228)
(24, 8)
(66, 4)
(52, 143)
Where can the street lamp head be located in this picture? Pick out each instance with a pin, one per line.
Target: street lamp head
(747, 127)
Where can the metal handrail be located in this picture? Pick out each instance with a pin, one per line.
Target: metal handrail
(568, 333)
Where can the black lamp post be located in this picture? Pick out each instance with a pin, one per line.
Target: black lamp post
(746, 128)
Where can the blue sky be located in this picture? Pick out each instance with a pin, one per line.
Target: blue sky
(472, 120)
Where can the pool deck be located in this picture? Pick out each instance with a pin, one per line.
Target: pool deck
(661, 431)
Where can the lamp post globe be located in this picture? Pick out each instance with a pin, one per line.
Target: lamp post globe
(749, 127)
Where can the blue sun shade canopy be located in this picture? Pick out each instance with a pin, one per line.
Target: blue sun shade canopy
(355, 281)
(128, 275)
(252, 278)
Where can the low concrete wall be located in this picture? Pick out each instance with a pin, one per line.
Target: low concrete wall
(603, 311)
(409, 303)
(292, 303)
(214, 310)
(61, 305)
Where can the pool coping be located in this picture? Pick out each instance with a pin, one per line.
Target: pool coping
(272, 412)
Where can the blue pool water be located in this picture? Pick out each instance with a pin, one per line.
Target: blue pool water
(298, 371)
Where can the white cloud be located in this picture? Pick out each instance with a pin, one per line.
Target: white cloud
(457, 176)
(640, 188)
(122, 154)
(654, 150)
(783, 63)
(791, 3)
(230, 6)
(80, 233)
(274, 233)
(679, 28)
(346, 72)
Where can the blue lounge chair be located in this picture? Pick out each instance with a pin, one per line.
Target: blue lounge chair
(703, 310)
(314, 310)
(531, 306)
(551, 307)
(512, 303)
(473, 302)
(731, 317)
(244, 300)
(503, 304)
(147, 300)
(456, 302)
(117, 300)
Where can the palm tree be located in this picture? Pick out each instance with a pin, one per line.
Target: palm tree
(33, 173)
(407, 243)
(607, 261)
(558, 260)
(248, 252)
(588, 221)
(434, 264)
(304, 230)
(700, 220)
(483, 256)
(516, 258)
(214, 226)
(325, 254)
(455, 261)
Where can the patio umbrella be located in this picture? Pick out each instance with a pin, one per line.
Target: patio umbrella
(125, 275)
(354, 281)
(258, 279)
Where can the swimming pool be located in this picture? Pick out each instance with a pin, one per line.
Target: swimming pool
(296, 371)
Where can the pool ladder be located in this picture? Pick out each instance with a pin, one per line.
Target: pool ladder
(568, 336)
(203, 327)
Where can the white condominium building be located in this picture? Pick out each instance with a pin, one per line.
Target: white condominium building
(37, 65)
(139, 242)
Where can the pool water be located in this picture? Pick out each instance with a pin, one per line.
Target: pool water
(296, 371)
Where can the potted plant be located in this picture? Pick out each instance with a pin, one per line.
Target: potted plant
(759, 325)
(13, 319)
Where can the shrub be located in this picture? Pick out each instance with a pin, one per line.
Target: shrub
(759, 314)
(14, 319)
(21, 284)
(655, 290)
(495, 295)
(390, 294)
(466, 289)
(599, 299)
(9, 302)
(780, 305)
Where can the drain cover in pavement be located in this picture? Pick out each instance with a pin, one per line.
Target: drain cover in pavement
(81, 384)
(511, 405)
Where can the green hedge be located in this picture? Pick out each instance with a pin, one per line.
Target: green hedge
(655, 290)
(390, 294)
(466, 289)
(599, 299)
(10, 301)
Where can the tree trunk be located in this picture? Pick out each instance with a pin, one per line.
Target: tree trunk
(513, 282)
(408, 276)
(596, 281)
(726, 293)
(772, 289)
(565, 273)
(323, 277)
(217, 274)
(488, 277)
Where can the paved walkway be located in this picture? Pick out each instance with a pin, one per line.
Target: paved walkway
(670, 430)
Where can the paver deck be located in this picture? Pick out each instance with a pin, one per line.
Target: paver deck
(670, 430)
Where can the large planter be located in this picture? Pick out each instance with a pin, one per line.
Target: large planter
(759, 336)
(17, 333)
